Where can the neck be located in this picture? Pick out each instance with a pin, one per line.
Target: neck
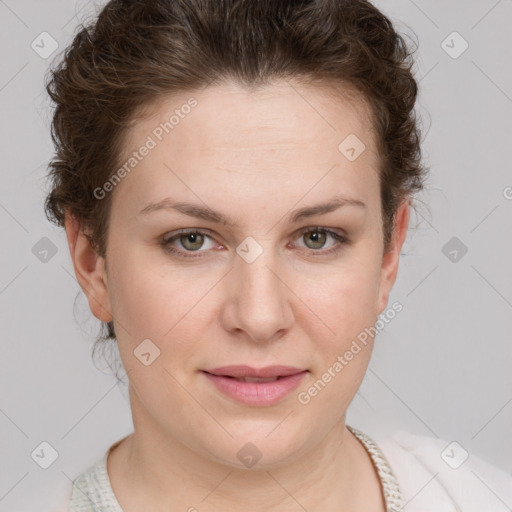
(336, 474)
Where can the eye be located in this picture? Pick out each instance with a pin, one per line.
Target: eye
(192, 240)
(317, 236)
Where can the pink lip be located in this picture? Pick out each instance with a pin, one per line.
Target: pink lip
(256, 393)
(248, 371)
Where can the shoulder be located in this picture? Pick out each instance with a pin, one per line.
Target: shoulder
(435, 474)
(90, 491)
(61, 496)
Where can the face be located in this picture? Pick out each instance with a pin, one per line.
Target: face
(255, 284)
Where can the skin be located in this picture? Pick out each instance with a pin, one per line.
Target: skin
(254, 156)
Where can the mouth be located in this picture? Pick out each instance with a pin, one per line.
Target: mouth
(268, 373)
(255, 390)
(250, 379)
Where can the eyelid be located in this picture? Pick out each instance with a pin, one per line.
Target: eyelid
(341, 240)
(167, 239)
(186, 231)
(211, 233)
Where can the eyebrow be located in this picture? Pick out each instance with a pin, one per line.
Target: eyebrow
(207, 214)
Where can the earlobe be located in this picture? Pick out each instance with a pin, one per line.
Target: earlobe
(89, 270)
(391, 258)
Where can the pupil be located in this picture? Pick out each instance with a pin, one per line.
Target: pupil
(315, 236)
(191, 239)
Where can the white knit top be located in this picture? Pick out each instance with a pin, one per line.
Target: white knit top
(92, 491)
(390, 488)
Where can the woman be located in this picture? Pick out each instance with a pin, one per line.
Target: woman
(235, 179)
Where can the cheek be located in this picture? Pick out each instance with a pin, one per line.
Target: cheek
(345, 315)
(162, 301)
(162, 305)
(146, 297)
(341, 316)
(346, 298)
(158, 395)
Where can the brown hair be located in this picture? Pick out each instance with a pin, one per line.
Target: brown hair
(137, 52)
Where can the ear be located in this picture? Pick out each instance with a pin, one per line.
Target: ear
(391, 258)
(89, 270)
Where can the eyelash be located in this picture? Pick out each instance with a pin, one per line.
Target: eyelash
(341, 241)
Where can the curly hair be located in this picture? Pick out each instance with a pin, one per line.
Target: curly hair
(137, 52)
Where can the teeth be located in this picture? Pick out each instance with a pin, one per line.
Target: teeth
(255, 379)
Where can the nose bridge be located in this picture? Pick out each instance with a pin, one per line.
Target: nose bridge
(256, 268)
(260, 292)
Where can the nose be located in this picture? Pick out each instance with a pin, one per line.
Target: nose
(259, 298)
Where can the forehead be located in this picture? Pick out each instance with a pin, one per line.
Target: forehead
(274, 117)
(285, 135)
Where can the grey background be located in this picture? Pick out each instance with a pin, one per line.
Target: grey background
(441, 368)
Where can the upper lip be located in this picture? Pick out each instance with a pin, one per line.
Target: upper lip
(262, 373)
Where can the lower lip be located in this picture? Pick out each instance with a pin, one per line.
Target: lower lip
(257, 393)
